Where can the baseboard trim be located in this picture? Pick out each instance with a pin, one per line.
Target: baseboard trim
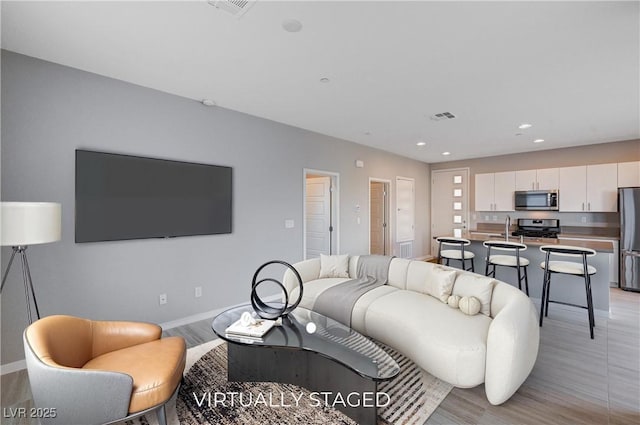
(13, 367)
(207, 314)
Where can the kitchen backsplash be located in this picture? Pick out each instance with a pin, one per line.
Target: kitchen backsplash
(566, 219)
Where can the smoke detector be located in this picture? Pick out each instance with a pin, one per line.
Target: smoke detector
(442, 116)
(235, 7)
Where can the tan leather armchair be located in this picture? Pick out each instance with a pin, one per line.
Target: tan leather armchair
(98, 372)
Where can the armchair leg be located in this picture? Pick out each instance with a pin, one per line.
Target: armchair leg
(162, 414)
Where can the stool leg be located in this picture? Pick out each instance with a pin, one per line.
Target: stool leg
(519, 276)
(544, 295)
(592, 318)
(486, 268)
(526, 280)
(546, 307)
(473, 270)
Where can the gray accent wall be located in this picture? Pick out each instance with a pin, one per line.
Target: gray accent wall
(49, 110)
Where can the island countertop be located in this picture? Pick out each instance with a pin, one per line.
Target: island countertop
(605, 247)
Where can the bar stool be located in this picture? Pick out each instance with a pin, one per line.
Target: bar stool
(569, 268)
(512, 261)
(458, 254)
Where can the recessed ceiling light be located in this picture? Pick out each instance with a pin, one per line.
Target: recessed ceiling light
(421, 143)
(538, 141)
(524, 125)
(324, 80)
(208, 102)
(446, 153)
(291, 25)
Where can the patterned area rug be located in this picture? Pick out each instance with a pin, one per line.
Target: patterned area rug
(414, 396)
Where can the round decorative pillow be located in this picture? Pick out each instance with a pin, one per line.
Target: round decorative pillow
(453, 301)
(469, 305)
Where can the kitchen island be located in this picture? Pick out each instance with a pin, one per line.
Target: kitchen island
(563, 287)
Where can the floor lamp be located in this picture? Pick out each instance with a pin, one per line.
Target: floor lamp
(25, 224)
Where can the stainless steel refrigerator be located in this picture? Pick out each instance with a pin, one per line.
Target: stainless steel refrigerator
(629, 207)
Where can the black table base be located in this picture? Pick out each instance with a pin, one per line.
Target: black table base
(317, 373)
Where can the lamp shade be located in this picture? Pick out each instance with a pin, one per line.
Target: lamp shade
(30, 223)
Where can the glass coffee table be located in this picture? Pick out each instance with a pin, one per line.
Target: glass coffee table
(340, 366)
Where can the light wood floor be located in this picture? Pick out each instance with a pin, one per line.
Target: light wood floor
(576, 380)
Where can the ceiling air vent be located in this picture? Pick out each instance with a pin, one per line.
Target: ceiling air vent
(442, 116)
(235, 7)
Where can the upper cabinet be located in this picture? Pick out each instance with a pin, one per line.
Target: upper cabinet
(629, 174)
(544, 179)
(494, 191)
(591, 188)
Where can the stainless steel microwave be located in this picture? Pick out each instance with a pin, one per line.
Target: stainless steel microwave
(536, 200)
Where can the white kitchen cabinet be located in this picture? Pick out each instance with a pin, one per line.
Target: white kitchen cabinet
(485, 186)
(547, 179)
(602, 188)
(494, 191)
(591, 188)
(629, 174)
(526, 180)
(543, 179)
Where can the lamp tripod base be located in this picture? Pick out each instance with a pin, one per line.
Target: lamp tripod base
(29, 293)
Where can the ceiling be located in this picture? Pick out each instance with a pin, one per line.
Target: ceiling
(571, 69)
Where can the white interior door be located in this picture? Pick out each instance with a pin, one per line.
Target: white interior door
(449, 203)
(378, 220)
(318, 216)
(405, 204)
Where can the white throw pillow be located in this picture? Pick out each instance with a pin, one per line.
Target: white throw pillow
(473, 285)
(334, 266)
(442, 283)
(469, 305)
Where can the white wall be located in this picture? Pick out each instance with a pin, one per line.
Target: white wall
(49, 110)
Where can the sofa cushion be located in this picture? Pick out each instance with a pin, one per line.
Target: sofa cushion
(359, 313)
(163, 361)
(313, 288)
(334, 266)
(444, 341)
(474, 285)
(398, 273)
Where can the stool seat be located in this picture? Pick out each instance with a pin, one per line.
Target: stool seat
(568, 267)
(507, 260)
(456, 255)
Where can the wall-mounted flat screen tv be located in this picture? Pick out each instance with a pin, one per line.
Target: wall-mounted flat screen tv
(122, 197)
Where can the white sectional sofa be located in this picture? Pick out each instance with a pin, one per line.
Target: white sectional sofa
(498, 349)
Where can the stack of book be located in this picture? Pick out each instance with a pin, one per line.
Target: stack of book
(253, 331)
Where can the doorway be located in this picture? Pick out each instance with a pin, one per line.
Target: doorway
(449, 203)
(379, 199)
(320, 210)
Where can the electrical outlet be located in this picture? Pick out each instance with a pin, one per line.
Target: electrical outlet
(495, 218)
(486, 218)
(162, 299)
(198, 291)
(584, 219)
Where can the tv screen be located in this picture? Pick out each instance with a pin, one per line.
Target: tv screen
(122, 197)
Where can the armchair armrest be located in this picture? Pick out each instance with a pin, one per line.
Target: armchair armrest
(512, 343)
(112, 335)
(111, 392)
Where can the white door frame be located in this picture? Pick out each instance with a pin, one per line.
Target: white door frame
(335, 196)
(388, 206)
(465, 196)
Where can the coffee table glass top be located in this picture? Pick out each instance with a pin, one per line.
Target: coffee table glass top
(329, 338)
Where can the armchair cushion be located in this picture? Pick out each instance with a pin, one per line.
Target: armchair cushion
(156, 368)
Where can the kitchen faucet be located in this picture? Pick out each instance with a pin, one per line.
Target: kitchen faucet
(507, 226)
